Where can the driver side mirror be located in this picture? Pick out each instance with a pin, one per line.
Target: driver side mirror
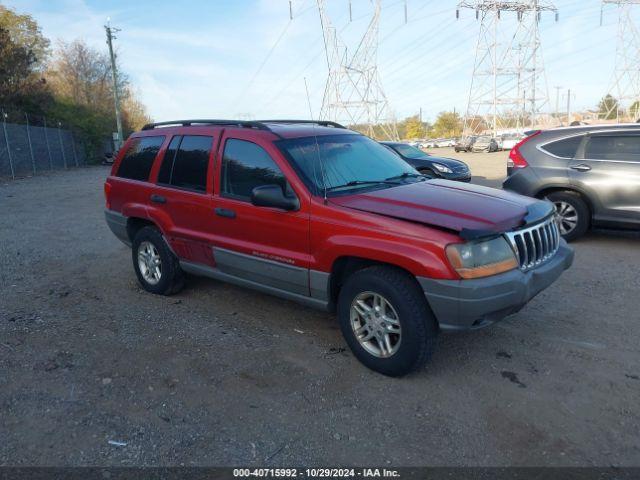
(273, 196)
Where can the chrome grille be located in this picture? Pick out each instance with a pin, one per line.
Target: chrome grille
(535, 245)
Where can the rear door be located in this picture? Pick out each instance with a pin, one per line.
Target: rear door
(182, 196)
(607, 168)
(260, 244)
(553, 167)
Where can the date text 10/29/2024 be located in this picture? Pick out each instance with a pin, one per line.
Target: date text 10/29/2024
(315, 473)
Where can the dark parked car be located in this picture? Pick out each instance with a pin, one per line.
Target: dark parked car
(426, 164)
(465, 144)
(485, 143)
(591, 173)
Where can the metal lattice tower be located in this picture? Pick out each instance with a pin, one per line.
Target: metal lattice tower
(625, 85)
(508, 86)
(353, 92)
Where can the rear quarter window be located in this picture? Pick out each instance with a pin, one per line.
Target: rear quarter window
(137, 162)
(565, 148)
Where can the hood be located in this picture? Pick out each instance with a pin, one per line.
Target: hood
(471, 210)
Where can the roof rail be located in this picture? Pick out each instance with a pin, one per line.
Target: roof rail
(187, 123)
(322, 123)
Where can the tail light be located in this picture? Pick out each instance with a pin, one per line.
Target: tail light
(107, 191)
(516, 160)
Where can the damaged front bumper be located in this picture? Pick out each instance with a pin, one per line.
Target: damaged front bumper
(470, 304)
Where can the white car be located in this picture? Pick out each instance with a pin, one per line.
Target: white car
(429, 144)
(445, 142)
(507, 142)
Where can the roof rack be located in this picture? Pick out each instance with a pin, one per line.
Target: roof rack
(257, 124)
(187, 123)
(322, 123)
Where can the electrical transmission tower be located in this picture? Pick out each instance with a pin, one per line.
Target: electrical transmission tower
(625, 85)
(353, 92)
(508, 86)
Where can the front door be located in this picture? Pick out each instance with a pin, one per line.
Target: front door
(264, 245)
(608, 170)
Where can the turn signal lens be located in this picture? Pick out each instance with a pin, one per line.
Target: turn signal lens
(481, 259)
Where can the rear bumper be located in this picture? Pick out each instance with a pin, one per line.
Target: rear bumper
(471, 304)
(118, 225)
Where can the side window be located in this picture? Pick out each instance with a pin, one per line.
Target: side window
(245, 166)
(186, 162)
(164, 176)
(565, 148)
(139, 158)
(610, 147)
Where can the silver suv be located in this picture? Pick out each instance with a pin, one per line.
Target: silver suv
(591, 173)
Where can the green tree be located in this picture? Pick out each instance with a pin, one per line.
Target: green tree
(413, 128)
(608, 108)
(21, 87)
(448, 124)
(25, 32)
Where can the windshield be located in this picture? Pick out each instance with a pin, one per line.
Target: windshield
(347, 162)
(408, 151)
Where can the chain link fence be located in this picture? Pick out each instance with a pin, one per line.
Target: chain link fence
(32, 144)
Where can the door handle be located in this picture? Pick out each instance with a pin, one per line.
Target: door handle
(581, 168)
(225, 212)
(158, 198)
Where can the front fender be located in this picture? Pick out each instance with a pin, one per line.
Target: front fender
(416, 259)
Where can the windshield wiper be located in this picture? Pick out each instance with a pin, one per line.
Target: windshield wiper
(406, 175)
(355, 183)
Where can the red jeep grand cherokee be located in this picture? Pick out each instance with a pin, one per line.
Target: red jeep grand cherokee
(317, 213)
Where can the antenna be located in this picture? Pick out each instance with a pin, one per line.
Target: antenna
(306, 87)
(508, 84)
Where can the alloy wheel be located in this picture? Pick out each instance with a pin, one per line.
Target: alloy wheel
(375, 324)
(149, 262)
(567, 217)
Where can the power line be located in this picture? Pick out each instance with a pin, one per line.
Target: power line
(512, 57)
(625, 84)
(353, 92)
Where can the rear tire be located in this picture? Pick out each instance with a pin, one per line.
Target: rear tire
(156, 266)
(574, 214)
(405, 325)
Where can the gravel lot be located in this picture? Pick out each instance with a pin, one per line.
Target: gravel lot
(218, 375)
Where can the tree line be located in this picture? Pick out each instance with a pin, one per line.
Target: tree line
(69, 83)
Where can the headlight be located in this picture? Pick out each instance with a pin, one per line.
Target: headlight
(482, 258)
(442, 168)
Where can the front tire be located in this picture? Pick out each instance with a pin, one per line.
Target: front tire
(573, 212)
(156, 266)
(386, 321)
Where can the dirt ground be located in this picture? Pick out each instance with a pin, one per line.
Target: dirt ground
(219, 375)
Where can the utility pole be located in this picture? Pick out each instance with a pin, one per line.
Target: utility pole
(568, 107)
(114, 76)
(558, 104)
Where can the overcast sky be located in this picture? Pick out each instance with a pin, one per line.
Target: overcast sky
(229, 58)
